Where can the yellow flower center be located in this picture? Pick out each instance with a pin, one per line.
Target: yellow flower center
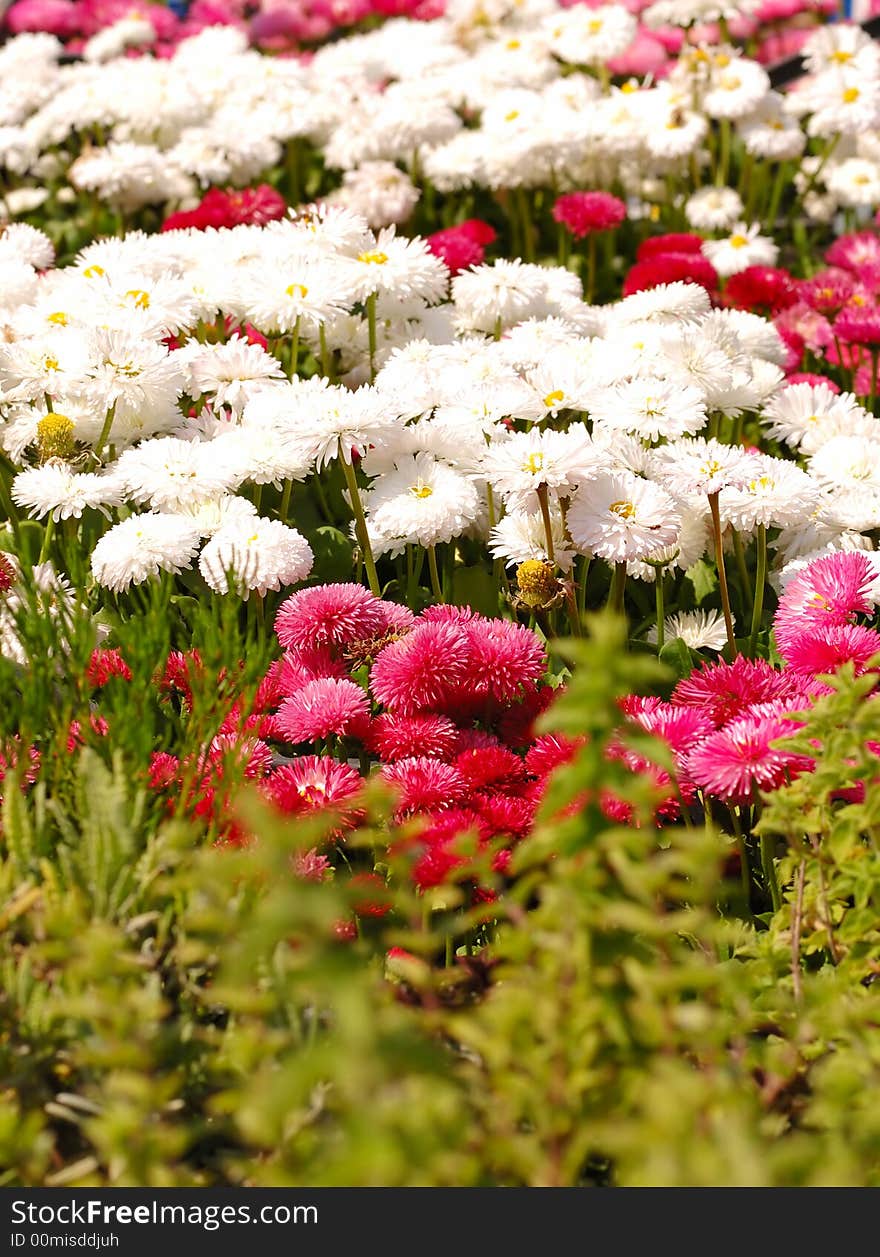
(554, 398)
(722, 60)
(841, 56)
(513, 44)
(51, 364)
(630, 86)
(375, 257)
(55, 436)
(762, 482)
(595, 26)
(420, 489)
(858, 300)
(625, 510)
(534, 463)
(738, 242)
(93, 272)
(711, 468)
(731, 82)
(512, 116)
(58, 317)
(297, 290)
(851, 94)
(140, 298)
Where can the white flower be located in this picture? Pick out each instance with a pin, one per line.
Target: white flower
(699, 630)
(778, 493)
(399, 267)
(378, 191)
(848, 462)
(743, 247)
(142, 546)
(420, 502)
(620, 517)
(713, 209)
(57, 491)
(170, 473)
(700, 466)
(502, 294)
(651, 408)
(854, 183)
(232, 372)
(521, 535)
(304, 292)
(805, 416)
(518, 466)
(258, 554)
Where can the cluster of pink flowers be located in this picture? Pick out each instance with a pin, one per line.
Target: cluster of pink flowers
(584, 213)
(724, 721)
(665, 259)
(231, 207)
(275, 25)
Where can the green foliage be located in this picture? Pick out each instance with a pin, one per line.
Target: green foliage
(177, 1013)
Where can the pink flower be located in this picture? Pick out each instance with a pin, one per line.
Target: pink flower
(309, 866)
(732, 762)
(809, 377)
(859, 325)
(831, 591)
(463, 245)
(490, 766)
(723, 691)
(854, 250)
(424, 783)
(670, 242)
(645, 55)
(311, 783)
(297, 667)
(505, 659)
(56, 17)
(827, 291)
(323, 707)
(812, 328)
(393, 736)
(549, 751)
(585, 212)
(328, 615)
(827, 648)
(419, 672)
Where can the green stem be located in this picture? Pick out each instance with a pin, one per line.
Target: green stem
(776, 196)
(723, 167)
(371, 331)
(760, 581)
(285, 501)
(661, 623)
(744, 870)
(105, 431)
(768, 868)
(618, 584)
(582, 587)
(875, 359)
(548, 523)
(722, 574)
(48, 533)
(326, 361)
(360, 524)
(294, 350)
(436, 587)
(590, 287)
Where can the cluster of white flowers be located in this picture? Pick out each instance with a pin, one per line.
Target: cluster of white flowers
(501, 97)
(502, 407)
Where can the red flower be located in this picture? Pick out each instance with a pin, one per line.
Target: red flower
(376, 902)
(105, 664)
(323, 707)
(310, 783)
(671, 242)
(393, 736)
(582, 213)
(7, 574)
(761, 289)
(424, 783)
(670, 268)
(859, 325)
(457, 249)
(328, 615)
(231, 207)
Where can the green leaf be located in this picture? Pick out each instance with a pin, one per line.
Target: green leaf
(677, 656)
(704, 579)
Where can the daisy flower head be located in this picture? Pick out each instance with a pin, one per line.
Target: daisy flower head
(829, 591)
(702, 466)
(713, 209)
(651, 408)
(744, 247)
(520, 536)
(699, 630)
(778, 493)
(421, 672)
(142, 546)
(620, 517)
(394, 737)
(519, 465)
(231, 373)
(309, 783)
(806, 415)
(583, 213)
(505, 660)
(424, 783)
(298, 294)
(323, 708)
(497, 295)
(172, 474)
(255, 555)
(55, 490)
(744, 756)
(398, 267)
(421, 501)
(828, 647)
(724, 691)
(328, 615)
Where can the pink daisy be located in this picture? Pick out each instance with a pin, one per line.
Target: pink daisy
(393, 736)
(852, 251)
(311, 782)
(323, 707)
(549, 751)
(490, 766)
(504, 658)
(582, 213)
(723, 691)
(828, 648)
(328, 615)
(419, 672)
(831, 591)
(859, 325)
(424, 783)
(297, 667)
(734, 760)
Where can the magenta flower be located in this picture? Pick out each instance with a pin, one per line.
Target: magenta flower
(323, 708)
(741, 757)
